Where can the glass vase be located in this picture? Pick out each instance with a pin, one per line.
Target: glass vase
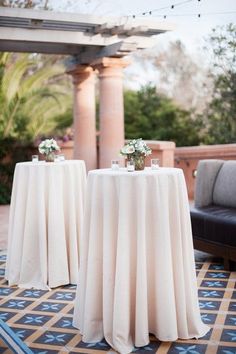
(49, 157)
(139, 161)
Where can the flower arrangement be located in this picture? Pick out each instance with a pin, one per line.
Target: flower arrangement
(47, 148)
(136, 150)
(136, 147)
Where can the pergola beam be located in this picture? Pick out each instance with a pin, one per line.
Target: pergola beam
(96, 46)
(13, 15)
(88, 55)
(68, 33)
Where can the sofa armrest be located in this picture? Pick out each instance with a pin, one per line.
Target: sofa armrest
(207, 172)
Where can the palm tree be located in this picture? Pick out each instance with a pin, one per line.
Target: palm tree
(33, 92)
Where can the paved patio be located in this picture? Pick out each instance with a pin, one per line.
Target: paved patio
(43, 319)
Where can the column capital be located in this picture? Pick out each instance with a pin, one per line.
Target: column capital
(80, 73)
(110, 63)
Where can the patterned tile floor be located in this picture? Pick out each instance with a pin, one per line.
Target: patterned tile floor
(43, 319)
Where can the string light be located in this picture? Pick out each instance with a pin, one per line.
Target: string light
(176, 15)
(167, 7)
(150, 12)
(198, 15)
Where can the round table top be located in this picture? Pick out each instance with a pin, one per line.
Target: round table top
(49, 164)
(147, 171)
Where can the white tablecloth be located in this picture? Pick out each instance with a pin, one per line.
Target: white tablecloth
(46, 215)
(137, 273)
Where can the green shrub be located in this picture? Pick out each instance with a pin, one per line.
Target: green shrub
(11, 152)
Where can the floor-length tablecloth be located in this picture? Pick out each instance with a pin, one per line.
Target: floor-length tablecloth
(46, 215)
(137, 273)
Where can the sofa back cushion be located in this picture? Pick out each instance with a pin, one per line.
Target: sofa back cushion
(224, 192)
(207, 172)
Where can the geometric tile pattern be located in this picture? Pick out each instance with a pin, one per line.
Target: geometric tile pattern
(43, 319)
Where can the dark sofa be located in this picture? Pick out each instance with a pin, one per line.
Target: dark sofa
(213, 215)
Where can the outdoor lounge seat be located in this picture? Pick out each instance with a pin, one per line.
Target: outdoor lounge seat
(213, 215)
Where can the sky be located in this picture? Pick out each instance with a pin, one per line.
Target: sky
(189, 28)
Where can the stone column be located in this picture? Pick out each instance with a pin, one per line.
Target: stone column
(111, 112)
(84, 115)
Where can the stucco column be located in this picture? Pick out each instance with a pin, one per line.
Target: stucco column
(84, 115)
(111, 112)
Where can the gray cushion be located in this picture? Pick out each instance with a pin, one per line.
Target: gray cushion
(215, 224)
(207, 171)
(224, 193)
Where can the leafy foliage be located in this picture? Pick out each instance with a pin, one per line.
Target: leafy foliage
(11, 152)
(27, 4)
(33, 93)
(155, 117)
(34, 101)
(176, 73)
(221, 113)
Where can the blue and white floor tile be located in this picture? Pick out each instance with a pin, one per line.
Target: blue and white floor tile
(43, 319)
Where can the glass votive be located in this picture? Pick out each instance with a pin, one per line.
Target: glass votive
(35, 158)
(115, 164)
(130, 166)
(57, 158)
(155, 164)
(62, 157)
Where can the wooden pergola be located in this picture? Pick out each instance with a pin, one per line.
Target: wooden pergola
(97, 46)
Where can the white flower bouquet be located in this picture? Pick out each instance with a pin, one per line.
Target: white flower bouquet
(47, 148)
(136, 147)
(136, 150)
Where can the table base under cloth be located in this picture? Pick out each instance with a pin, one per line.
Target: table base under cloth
(137, 272)
(46, 215)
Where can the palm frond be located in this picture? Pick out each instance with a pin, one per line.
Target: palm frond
(38, 78)
(12, 77)
(4, 57)
(33, 94)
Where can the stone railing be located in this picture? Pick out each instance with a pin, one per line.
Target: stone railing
(182, 157)
(187, 158)
(163, 150)
(67, 149)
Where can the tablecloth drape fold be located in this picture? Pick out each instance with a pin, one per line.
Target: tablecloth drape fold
(137, 273)
(45, 224)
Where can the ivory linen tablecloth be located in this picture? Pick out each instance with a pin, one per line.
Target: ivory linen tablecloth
(137, 273)
(46, 214)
